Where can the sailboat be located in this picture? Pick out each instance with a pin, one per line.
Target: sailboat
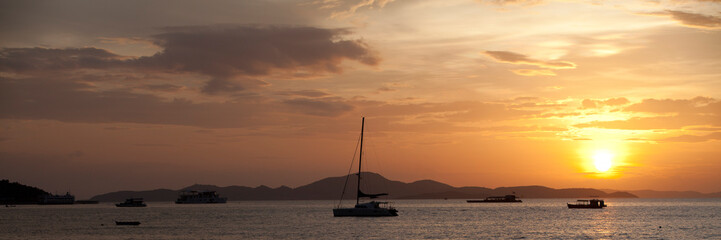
(368, 209)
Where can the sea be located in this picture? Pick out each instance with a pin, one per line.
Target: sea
(418, 219)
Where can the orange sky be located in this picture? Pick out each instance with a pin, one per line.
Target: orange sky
(123, 95)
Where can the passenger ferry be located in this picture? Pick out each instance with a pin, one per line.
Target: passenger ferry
(200, 197)
(57, 199)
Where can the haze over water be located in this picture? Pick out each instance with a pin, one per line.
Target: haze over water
(418, 219)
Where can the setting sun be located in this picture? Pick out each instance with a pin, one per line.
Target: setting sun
(602, 159)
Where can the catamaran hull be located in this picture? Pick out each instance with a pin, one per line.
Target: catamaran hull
(364, 212)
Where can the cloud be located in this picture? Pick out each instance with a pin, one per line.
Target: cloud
(513, 2)
(694, 105)
(534, 72)
(346, 8)
(693, 138)
(666, 114)
(533, 128)
(693, 20)
(589, 103)
(520, 59)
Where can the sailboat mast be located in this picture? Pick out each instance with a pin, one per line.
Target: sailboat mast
(360, 160)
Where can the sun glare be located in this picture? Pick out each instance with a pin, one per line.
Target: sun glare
(602, 159)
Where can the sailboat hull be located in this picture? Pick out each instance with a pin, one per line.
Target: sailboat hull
(364, 212)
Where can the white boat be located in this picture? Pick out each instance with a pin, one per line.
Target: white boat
(199, 197)
(369, 209)
(57, 199)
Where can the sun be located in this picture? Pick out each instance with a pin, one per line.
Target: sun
(603, 160)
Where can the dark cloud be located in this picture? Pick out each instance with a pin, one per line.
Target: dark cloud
(225, 85)
(305, 93)
(328, 107)
(163, 87)
(695, 20)
(222, 51)
(80, 102)
(32, 60)
(515, 58)
(232, 56)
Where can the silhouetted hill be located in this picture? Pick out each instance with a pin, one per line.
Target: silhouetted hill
(331, 188)
(16, 193)
(673, 194)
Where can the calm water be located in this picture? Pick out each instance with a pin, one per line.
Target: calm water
(419, 219)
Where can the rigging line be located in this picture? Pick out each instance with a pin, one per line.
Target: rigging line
(379, 163)
(348, 174)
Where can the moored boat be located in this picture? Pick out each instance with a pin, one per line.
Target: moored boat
(131, 202)
(131, 223)
(496, 199)
(369, 209)
(590, 203)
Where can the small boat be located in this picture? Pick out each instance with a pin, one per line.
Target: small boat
(130, 223)
(496, 199)
(369, 209)
(200, 197)
(131, 202)
(590, 203)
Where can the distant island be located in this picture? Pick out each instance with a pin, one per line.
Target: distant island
(329, 189)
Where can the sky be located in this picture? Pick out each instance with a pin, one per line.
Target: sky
(101, 96)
